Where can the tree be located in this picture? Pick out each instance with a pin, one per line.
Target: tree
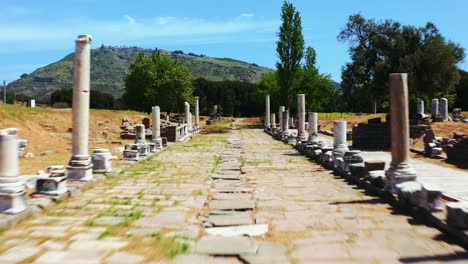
(290, 49)
(318, 88)
(462, 91)
(157, 80)
(379, 48)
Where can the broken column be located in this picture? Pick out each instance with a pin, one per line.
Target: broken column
(140, 134)
(156, 114)
(400, 169)
(273, 121)
(444, 109)
(80, 166)
(267, 112)
(339, 143)
(280, 117)
(187, 117)
(197, 113)
(11, 186)
(102, 160)
(313, 128)
(435, 108)
(301, 133)
(420, 108)
(140, 140)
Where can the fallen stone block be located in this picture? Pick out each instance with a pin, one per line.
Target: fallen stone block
(372, 165)
(377, 177)
(431, 197)
(409, 192)
(241, 230)
(457, 214)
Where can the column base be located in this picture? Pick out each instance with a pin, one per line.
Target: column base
(398, 173)
(158, 143)
(12, 203)
(302, 137)
(80, 168)
(51, 185)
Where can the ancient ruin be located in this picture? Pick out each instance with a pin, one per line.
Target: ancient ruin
(80, 167)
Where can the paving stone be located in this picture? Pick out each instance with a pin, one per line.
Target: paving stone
(203, 259)
(231, 196)
(226, 246)
(232, 219)
(109, 220)
(232, 204)
(124, 258)
(18, 253)
(163, 219)
(60, 257)
(97, 245)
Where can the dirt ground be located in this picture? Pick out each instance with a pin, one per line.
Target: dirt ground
(47, 131)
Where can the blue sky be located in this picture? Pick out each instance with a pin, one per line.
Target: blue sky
(36, 33)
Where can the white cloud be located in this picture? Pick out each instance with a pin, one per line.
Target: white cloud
(129, 19)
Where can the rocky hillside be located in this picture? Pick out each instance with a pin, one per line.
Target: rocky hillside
(109, 66)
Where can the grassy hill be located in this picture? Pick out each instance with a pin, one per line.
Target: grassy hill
(109, 66)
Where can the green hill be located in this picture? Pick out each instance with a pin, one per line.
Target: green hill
(109, 66)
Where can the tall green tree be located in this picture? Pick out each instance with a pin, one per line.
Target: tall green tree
(318, 88)
(378, 48)
(157, 80)
(290, 49)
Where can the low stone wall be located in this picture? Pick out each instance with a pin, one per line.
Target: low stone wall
(375, 136)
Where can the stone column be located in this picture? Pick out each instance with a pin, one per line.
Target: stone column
(444, 109)
(187, 112)
(140, 134)
(313, 127)
(197, 112)
(80, 166)
(400, 169)
(12, 189)
(420, 107)
(285, 123)
(301, 133)
(273, 121)
(157, 127)
(280, 117)
(267, 112)
(339, 136)
(435, 107)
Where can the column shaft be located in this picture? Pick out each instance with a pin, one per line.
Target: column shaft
(301, 134)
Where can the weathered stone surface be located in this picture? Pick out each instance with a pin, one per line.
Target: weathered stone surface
(97, 245)
(60, 257)
(241, 230)
(18, 253)
(109, 220)
(163, 219)
(213, 245)
(232, 204)
(231, 219)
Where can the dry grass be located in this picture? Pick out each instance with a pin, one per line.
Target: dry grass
(47, 129)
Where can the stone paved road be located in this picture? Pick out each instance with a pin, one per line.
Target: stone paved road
(150, 213)
(322, 219)
(146, 214)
